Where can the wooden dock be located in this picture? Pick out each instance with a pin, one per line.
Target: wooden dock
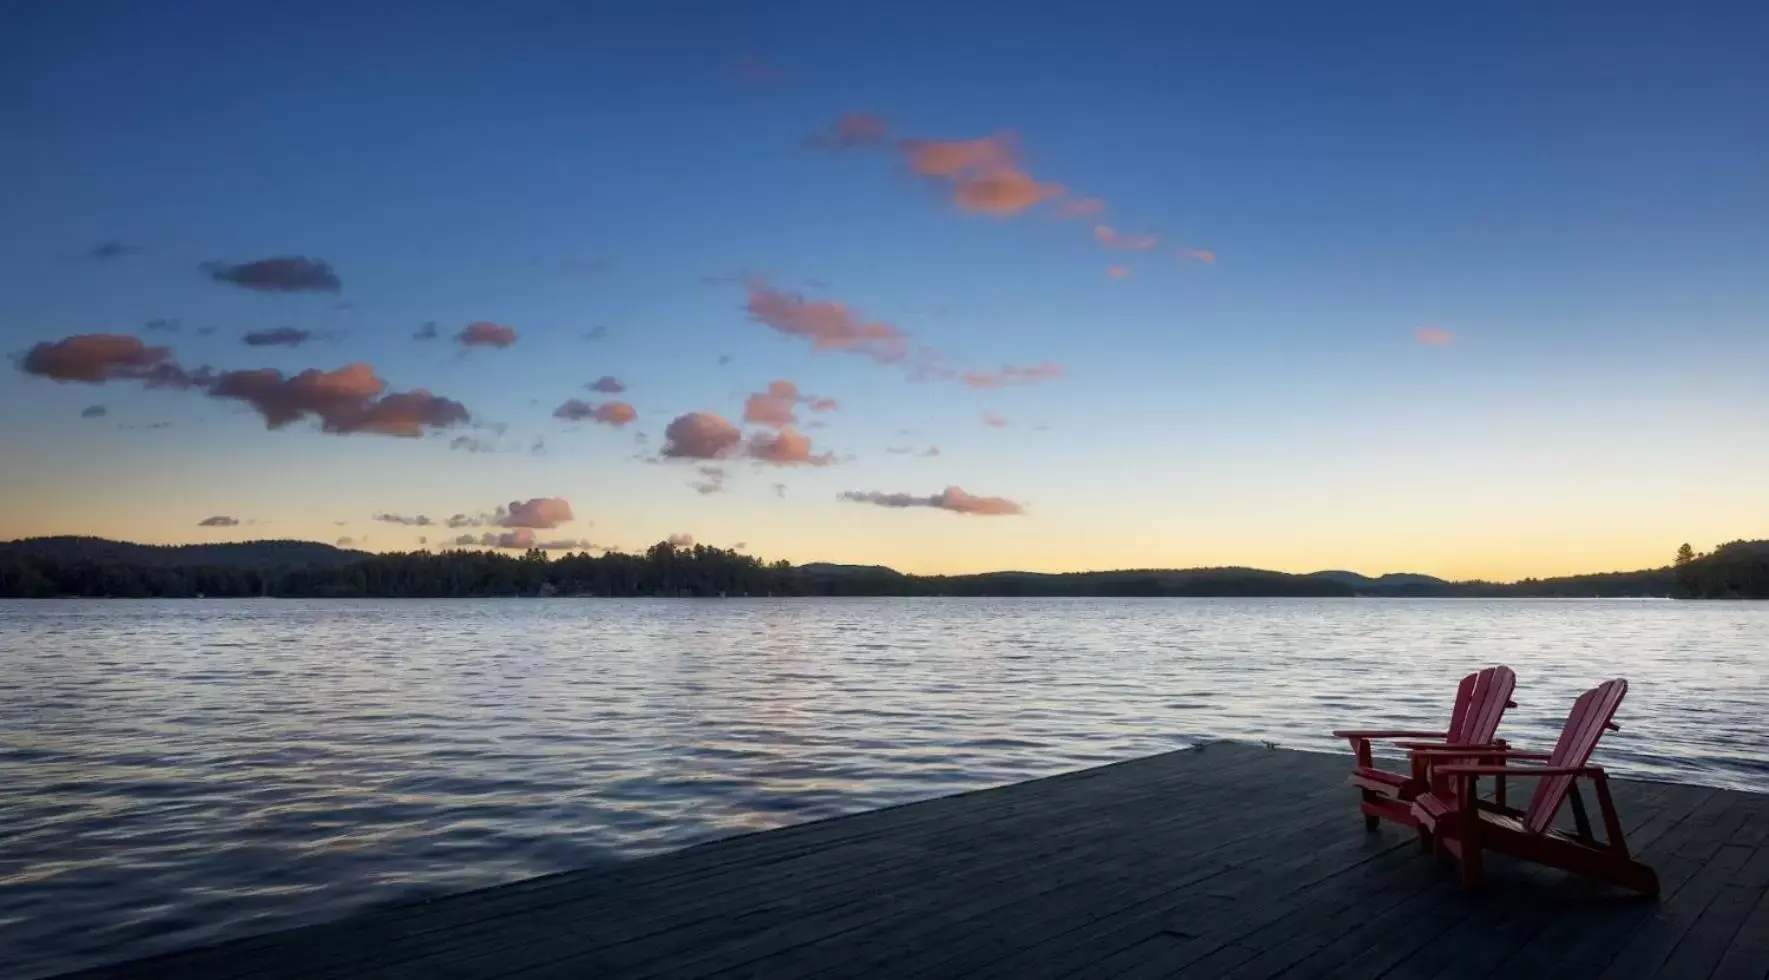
(1225, 860)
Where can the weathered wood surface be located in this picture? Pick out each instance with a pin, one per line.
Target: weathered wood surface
(1229, 860)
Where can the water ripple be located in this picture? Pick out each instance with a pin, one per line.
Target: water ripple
(176, 772)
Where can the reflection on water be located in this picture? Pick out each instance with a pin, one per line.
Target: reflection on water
(174, 772)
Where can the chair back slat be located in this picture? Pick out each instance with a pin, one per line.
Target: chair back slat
(1591, 715)
(1489, 696)
(1459, 714)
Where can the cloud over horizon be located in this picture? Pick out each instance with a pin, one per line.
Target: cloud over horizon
(537, 512)
(952, 499)
(700, 435)
(219, 522)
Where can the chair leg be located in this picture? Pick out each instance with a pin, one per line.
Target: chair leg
(1371, 822)
(1426, 844)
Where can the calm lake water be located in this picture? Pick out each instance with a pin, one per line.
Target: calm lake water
(176, 772)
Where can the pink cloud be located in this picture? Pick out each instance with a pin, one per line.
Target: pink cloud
(1435, 336)
(1012, 375)
(773, 407)
(344, 401)
(851, 130)
(607, 384)
(1129, 243)
(827, 325)
(1203, 255)
(608, 413)
(951, 499)
(1002, 194)
(1081, 207)
(985, 174)
(700, 435)
(994, 421)
(93, 358)
(347, 400)
(541, 512)
(786, 448)
(485, 334)
(1117, 271)
(824, 404)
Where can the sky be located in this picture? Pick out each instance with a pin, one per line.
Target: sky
(1477, 290)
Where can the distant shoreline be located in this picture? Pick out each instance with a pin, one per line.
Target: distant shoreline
(75, 567)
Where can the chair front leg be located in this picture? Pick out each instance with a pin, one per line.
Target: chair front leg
(1469, 832)
(1612, 821)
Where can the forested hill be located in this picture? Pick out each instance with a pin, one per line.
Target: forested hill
(283, 553)
(77, 566)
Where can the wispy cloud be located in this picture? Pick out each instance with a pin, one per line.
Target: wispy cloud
(280, 337)
(994, 421)
(712, 480)
(607, 384)
(1081, 207)
(1117, 271)
(855, 129)
(162, 324)
(94, 412)
(282, 274)
(756, 70)
(985, 174)
(429, 330)
(1203, 255)
(105, 251)
(827, 325)
(1011, 374)
(1110, 238)
(219, 522)
(951, 499)
(616, 414)
(417, 520)
(1434, 336)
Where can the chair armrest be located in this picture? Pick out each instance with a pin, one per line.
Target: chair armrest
(1489, 747)
(1377, 733)
(1519, 770)
(1468, 751)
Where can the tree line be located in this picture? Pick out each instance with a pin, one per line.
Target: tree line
(84, 567)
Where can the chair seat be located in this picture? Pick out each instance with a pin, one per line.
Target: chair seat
(1382, 781)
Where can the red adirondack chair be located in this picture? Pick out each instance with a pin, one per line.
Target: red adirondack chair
(1464, 825)
(1481, 700)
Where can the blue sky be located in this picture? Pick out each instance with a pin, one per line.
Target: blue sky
(1574, 205)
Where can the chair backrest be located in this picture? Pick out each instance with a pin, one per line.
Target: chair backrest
(1592, 714)
(1481, 700)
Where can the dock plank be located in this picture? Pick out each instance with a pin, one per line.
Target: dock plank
(1224, 860)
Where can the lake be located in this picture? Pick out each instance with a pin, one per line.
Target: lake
(172, 772)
